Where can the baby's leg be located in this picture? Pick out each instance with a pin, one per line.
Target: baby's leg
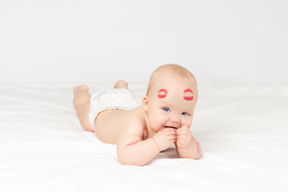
(81, 104)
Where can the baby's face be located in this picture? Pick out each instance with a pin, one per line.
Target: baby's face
(172, 104)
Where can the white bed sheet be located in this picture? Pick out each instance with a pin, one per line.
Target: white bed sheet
(243, 131)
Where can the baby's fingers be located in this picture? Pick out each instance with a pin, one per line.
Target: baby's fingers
(182, 132)
(172, 138)
(170, 131)
(171, 134)
(182, 136)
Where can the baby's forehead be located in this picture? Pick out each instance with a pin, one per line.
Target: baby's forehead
(174, 84)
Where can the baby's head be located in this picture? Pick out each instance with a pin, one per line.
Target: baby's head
(171, 97)
(170, 74)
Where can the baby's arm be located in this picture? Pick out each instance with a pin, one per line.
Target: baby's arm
(132, 150)
(186, 144)
(136, 152)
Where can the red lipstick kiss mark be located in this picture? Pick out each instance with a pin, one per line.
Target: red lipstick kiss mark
(162, 93)
(188, 94)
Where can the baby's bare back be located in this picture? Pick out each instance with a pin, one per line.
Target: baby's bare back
(111, 123)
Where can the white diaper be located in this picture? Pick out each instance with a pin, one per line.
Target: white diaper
(119, 98)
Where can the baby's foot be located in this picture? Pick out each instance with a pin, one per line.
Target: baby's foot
(121, 84)
(81, 88)
(81, 95)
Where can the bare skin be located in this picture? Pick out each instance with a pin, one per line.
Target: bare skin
(140, 134)
(81, 104)
(107, 131)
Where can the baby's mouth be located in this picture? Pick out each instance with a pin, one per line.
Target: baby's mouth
(170, 127)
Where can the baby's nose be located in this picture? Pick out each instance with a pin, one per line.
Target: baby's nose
(175, 120)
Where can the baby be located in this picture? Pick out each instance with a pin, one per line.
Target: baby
(142, 129)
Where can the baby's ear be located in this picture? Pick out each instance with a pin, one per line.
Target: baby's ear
(145, 103)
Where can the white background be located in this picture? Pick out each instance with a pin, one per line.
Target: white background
(222, 41)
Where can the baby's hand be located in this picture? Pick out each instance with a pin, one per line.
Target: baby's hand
(184, 137)
(164, 138)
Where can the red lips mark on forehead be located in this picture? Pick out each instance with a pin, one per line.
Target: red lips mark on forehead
(188, 95)
(162, 93)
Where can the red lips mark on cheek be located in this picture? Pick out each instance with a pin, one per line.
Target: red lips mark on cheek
(162, 93)
(188, 95)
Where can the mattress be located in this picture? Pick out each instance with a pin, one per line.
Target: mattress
(242, 129)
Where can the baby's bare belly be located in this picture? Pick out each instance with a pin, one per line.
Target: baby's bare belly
(109, 125)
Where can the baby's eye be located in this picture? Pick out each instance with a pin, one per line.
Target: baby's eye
(166, 109)
(185, 113)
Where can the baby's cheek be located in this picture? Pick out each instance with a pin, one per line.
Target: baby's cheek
(187, 123)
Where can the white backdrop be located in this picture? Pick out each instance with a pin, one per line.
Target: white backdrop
(220, 41)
